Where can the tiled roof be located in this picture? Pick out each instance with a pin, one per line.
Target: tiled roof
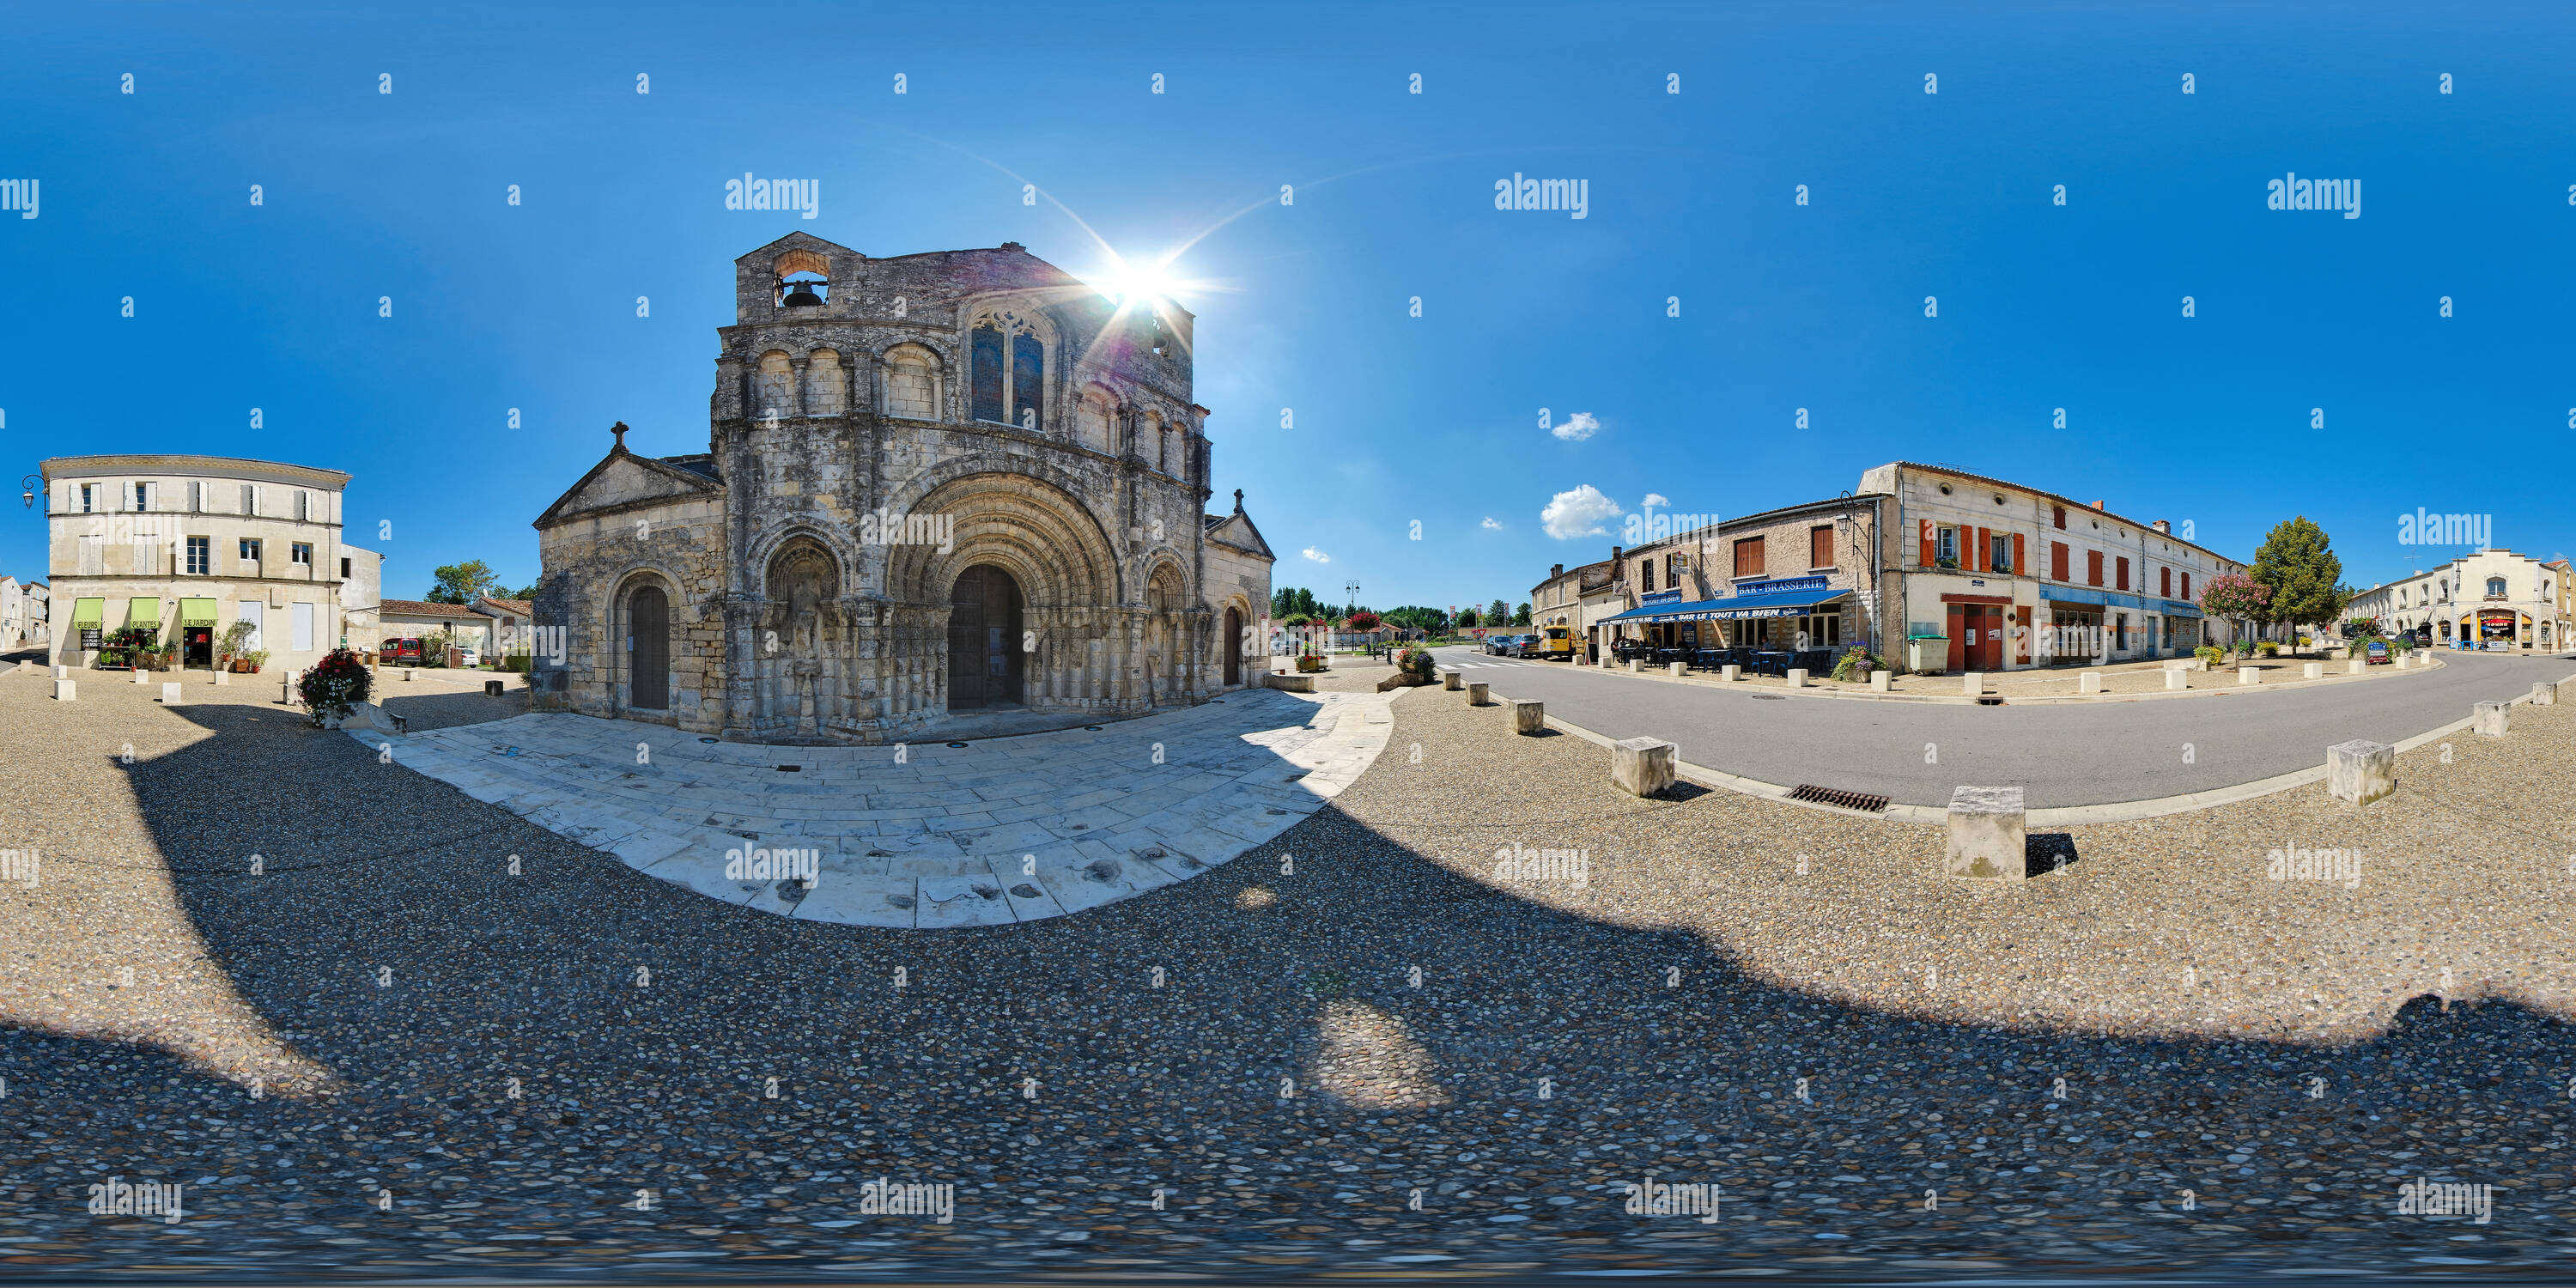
(424, 608)
(521, 607)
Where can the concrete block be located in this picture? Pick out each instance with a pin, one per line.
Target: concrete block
(2544, 695)
(407, 674)
(26, 666)
(2089, 682)
(1479, 694)
(2249, 675)
(142, 676)
(1880, 679)
(494, 688)
(66, 690)
(1643, 766)
(1797, 677)
(2488, 718)
(1289, 683)
(2313, 670)
(1675, 668)
(2177, 678)
(2361, 771)
(1452, 680)
(2403, 661)
(1730, 672)
(62, 672)
(286, 687)
(1529, 715)
(2356, 666)
(1636, 666)
(171, 694)
(224, 678)
(1972, 683)
(1988, 830)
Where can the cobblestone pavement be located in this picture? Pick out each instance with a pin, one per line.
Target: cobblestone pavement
(1439, 1027)
(931, 835)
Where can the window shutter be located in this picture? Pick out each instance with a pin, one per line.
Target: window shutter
(2186, 585)
(2057, 560)
(2093, 567)
(2021, 567)
(1929, 554)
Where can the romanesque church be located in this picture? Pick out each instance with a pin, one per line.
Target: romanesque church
(940, 483)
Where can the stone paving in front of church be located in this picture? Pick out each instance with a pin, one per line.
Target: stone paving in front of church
(991, 832)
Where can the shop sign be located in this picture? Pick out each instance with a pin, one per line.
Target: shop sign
(1779, 585)
(90, 637)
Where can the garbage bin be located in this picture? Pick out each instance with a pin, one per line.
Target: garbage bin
(1927, 654)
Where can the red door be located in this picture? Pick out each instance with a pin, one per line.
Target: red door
(1990, 637)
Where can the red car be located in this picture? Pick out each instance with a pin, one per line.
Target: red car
(404, 652)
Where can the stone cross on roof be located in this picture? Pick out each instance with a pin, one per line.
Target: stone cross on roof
(619, 429)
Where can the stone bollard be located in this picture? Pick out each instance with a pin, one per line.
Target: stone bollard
(1797, 677)
(1643, 766)
(1453, 681)
(2544, 695)
(26, 667)
(2361, 771)
(2404, 660)
(1987, 834)
(1973, 683)
(62, 673)
(1636, 666)
(66, 690)
(2357, 666)
(406, 674)
(2249, 675)
(2488, 718)
(223, 677)
(2089, 682)
(1529, 715)
(1675, 668)
(1879, 679)
(2313, 670)
(2177, 678)
(1477, 694)
(1730, 672)
(142, 676)
(170, 693)
(493, 688)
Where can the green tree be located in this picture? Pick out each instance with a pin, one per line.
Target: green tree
(1520, 616)
(2299, 567)
(1468, 618)
(463, 583)
(1498, 613)
(2238, 598)
(1292, 601)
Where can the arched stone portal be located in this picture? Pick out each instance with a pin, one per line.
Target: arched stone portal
(648, 648)
(800, 656)
(1233, 645)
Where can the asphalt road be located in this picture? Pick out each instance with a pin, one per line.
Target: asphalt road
(2064, 754)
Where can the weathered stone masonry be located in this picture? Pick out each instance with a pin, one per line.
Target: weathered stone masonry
(1047, 433)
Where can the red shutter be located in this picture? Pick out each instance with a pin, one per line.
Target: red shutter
(2021, 566)
(2124, 572)
(2057, 560)
(1929, 555)
(2168, 583)
(2186, 585)
(1985, 551)
(2093, 567)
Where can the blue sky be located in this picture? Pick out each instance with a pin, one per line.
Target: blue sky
(1306, 307)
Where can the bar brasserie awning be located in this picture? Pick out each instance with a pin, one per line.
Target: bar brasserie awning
(196, 612)
(1733, 608)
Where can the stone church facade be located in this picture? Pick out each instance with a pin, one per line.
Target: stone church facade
(944, 482)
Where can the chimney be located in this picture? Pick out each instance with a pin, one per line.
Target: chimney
(2097, 505)
(1556, 571)
(2164, 527)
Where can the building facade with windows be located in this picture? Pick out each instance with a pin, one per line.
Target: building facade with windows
(2489, 599)
(1805, 576)
(2011, 576)
(177, 548)
(932, 483)
(22, 614)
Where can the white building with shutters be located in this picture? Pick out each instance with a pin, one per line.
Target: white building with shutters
(174, 549)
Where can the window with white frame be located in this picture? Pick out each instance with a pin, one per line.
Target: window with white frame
(201, 556)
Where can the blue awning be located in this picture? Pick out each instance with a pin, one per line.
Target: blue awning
(2115, 599)
(1733, 608)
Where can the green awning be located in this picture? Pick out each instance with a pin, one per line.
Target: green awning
(141, 612)
(87, 613)
(196, 612)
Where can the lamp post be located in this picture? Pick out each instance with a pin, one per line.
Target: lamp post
(27, 488)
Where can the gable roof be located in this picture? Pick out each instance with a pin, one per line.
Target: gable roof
(426, 608)
(523, 608)
(625, 481)
(1236, 531)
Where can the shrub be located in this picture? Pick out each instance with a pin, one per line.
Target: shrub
(433, 648)
(1416, 661)
(2268, 648)
(330, 685)
(1855, 664)
(2210, 654)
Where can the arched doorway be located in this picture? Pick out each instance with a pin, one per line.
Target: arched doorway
(984, 651)
(648, 649)
(1233, 646)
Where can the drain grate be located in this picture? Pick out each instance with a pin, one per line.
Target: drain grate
(1837, 796)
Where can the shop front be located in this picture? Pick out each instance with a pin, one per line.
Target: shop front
(1780, 615)
(2496, 628)
(197, 632)
(89, 625)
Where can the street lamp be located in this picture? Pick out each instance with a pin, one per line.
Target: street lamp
(27, 490)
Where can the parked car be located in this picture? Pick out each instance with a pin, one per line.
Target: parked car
(1500, 645)
(398, 652)
(469, 657)
(1525, 646)
(1557, 643)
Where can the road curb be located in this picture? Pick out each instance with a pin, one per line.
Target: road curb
(2051, 699)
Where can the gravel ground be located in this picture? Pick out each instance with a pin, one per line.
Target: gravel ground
(466, 1071)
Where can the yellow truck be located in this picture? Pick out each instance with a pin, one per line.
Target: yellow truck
(1556, 643)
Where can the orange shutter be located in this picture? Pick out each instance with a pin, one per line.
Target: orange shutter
(1928, 554)
(2021, 568)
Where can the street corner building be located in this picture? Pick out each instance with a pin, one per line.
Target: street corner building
(938, 483)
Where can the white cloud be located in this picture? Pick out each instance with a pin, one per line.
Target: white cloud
(1655, 498)
(1490, 523)
(1578, 513)
(1577, 427)
(1317, 555)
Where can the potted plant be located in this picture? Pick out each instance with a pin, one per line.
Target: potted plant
(1855, 664)
(1309, 662)
(253, 660)
(329, 686)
